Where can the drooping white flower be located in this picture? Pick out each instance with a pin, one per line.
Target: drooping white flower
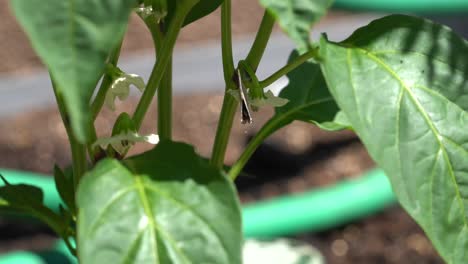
(122, 142)
(121, 88)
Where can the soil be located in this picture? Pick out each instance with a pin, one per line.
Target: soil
(295, 159)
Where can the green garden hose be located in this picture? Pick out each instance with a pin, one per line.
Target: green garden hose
(320, 209)
(418, 6)
(315, 210)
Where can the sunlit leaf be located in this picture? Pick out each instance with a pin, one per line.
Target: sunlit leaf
(296, 17)
(73, 38)
(403, 84)
(168, 206)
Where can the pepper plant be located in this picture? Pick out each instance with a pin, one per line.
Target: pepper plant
(400, 83)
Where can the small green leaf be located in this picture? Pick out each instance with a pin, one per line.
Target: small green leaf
(123, 124)
(203, 8)
(28, 199)
(403, 84)
(73, 38)
(296, 17)
(308, 95)
(168, 206)
(65, 187)
(309, 98)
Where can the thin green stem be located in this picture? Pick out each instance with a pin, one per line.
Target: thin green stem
(229, 107)
(155, 30)
(163, 60)
(259, 45)
(226, 44)
(165, 105)
(224, 129)
(230, 104)
(289, 67)
(98, 103)
(165, 91)
(78, 150)
(264, 132)
(106, 83)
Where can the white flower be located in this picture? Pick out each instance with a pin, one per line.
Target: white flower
(121, 88)
(122, 142)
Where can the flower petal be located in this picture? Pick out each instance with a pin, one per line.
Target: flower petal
(121, 88)
(122, 142)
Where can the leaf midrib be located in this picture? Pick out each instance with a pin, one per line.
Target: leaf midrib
(183, 206)
(149, 215)
(71, 35)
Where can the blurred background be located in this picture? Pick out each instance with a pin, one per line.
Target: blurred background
(298, 158)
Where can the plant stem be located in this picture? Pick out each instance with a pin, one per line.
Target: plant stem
(261, 39)
(98, 103)
(163, 60)
(229, 103)
(106, 83)
(224, 129)
(264, 132)
(226, 44)
(78, 150)
(165, 91)
(165, 104)
(289, 67)
(229, 107)
(155, 31)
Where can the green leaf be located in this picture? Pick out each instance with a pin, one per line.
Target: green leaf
(402, 82)
(309, 98)
(296, 17)
(28, 199)
(201, 9)
(73, 38)
(65, 187)
(123, 124)
(170, 206)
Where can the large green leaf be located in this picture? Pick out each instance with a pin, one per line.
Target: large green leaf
(73, 38)
(201, 9)
(168, 206)
(309, 99)
(403, 85)
(296, 17)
